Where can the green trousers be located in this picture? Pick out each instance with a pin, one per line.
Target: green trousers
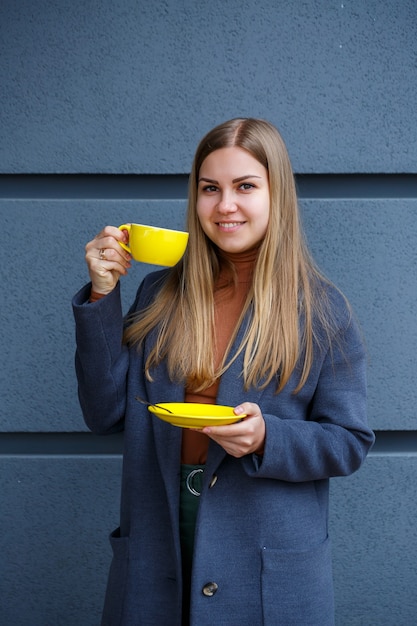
(191, 482)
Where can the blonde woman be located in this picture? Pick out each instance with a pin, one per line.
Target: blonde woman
(228, 525)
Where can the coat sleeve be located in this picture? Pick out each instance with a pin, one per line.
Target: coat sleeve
(101, 360)
(329, 435)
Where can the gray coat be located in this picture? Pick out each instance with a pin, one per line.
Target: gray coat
(262, 526)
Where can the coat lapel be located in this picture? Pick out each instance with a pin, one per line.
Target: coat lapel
(168, 444)
(168, 438)
(231, 393)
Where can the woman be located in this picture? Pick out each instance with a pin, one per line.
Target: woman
(228, 525)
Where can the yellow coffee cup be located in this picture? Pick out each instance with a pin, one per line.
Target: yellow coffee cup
(154, 245)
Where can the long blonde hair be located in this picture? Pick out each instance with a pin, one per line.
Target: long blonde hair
(283, 291)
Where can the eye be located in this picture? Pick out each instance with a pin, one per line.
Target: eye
(246, 186)
(210, 188)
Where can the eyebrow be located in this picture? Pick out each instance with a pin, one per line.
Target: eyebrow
(235, 180)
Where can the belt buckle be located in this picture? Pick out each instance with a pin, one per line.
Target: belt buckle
(189, 480)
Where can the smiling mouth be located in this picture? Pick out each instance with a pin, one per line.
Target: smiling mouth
(229, 224)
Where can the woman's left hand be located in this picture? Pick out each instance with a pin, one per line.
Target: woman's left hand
(244, 437)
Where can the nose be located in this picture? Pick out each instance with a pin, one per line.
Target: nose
(227, 203)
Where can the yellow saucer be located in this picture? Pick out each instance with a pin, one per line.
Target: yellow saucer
(195, 415)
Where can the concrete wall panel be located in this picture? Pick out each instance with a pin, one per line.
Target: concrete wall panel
(374, 538)
(368, 248)
(56, 516)
(131, 86)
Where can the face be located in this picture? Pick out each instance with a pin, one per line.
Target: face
(233, 199)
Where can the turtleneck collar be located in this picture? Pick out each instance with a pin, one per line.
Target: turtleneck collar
(249, 256)
(243, 263)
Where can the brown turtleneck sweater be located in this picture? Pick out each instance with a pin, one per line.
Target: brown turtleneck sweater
(228, 303)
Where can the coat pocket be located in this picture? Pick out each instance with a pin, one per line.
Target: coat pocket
(297, 587)
(117, 580)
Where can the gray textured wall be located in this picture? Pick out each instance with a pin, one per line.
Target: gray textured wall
(101, 106)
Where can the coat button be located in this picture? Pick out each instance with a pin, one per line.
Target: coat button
(213, 481)
(210, 589)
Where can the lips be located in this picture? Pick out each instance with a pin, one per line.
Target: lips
(227, 225)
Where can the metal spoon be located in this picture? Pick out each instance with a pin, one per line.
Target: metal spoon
(158, 406)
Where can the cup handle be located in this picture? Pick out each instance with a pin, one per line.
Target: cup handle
(124, 245)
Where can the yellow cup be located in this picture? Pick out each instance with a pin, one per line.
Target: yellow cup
(157, 246)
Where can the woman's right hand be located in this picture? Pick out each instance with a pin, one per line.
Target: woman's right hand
(106, 259)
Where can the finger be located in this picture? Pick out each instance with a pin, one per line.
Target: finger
(101, 267)
(114, 254)
(113, 243)
(247, 409)
(227, 431)
(113, 232)
(109, 237)
(107, 249)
